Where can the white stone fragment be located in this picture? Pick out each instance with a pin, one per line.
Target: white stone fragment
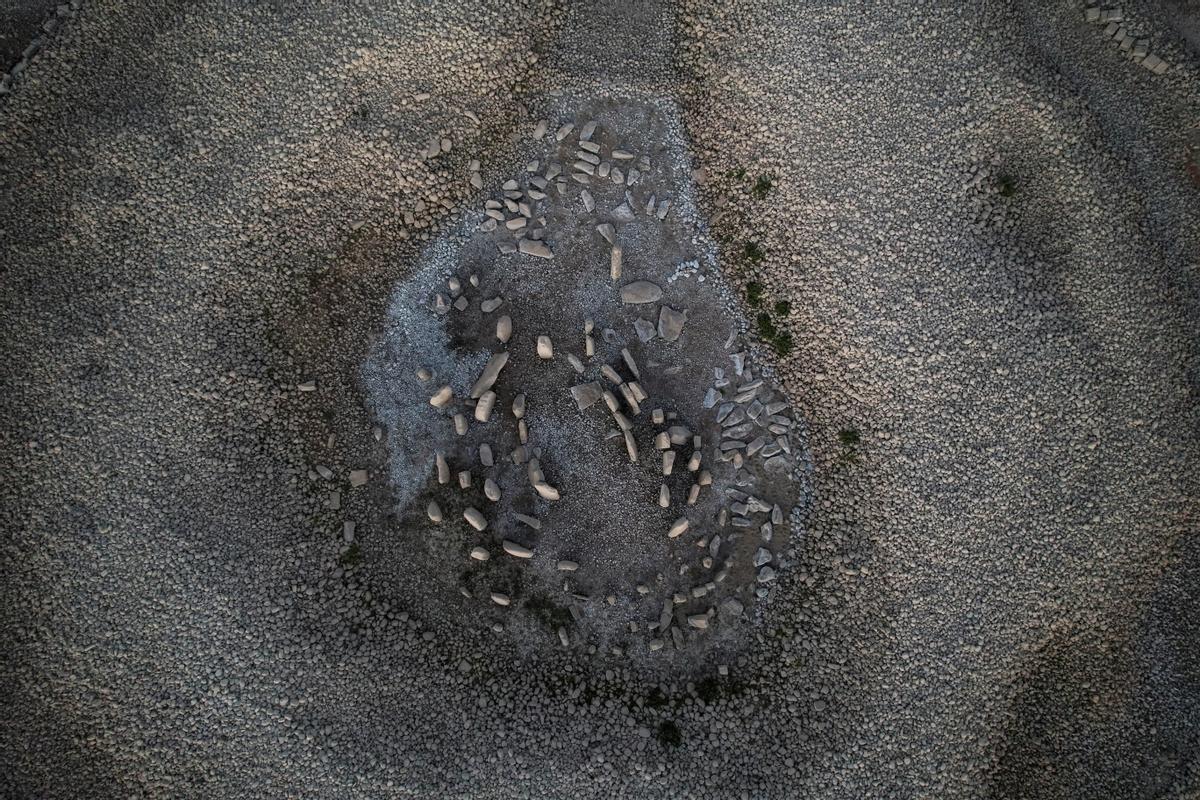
(516, 550)
(564, 131)
(483, 409)
(500, 599)
(545, 348)
(491, 371)
(491, 490)
(608, 232)
(464, 479)
(539, 130)
(504, 328)
(614, 269)
(442, 397)
(677, 528)
(585, 133)
(443, 469)
(664, 496)
(480, 554)
(566, 566)
(670, 323)
(475, 518)
(434, 511)
(518, 406)
(546, 491)
(589, 204)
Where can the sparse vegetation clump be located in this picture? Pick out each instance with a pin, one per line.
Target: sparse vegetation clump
(850, 440)
(1006, 184)
(754, 252)
(669, 734)
(762, 186)
(754, 294)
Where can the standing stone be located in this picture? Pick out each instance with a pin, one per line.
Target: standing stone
(504, 328)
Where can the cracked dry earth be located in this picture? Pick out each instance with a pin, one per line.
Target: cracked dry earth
(322, 383)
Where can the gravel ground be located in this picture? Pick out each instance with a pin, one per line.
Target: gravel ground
(985, 218)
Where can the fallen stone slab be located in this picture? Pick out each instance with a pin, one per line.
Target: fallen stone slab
(670, 323)
(586, 394)
(640, 292)
(532, 247)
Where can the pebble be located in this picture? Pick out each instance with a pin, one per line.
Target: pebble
(567, 566)
(434, 511)
(545, 348)
(442, 397)
(491, 490)
(480, 553)
(500, 599)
